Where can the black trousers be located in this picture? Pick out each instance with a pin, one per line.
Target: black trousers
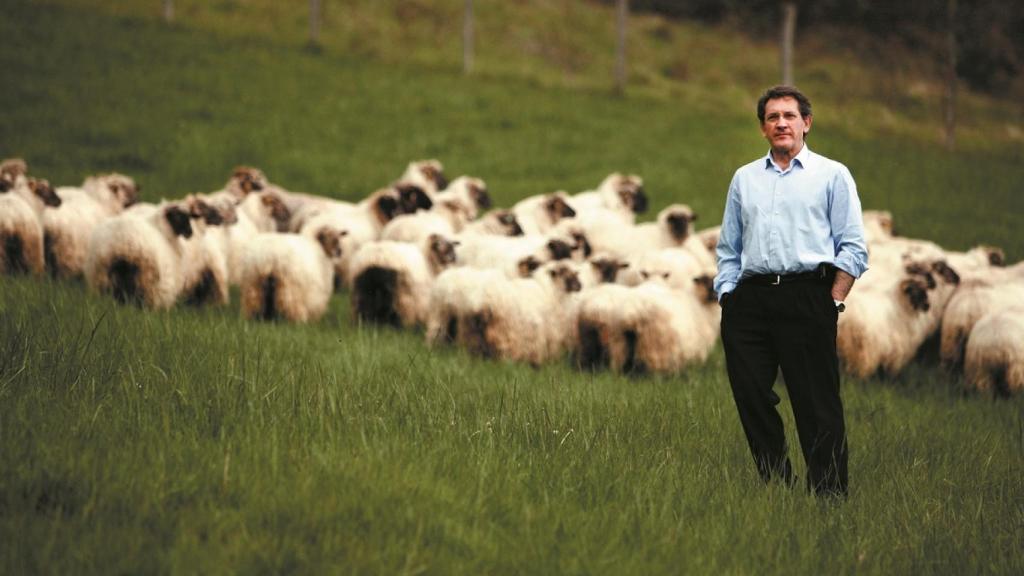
(792, 327)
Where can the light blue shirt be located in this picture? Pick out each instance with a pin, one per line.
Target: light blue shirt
(788, 221)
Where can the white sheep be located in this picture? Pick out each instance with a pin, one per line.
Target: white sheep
(975, 298)
(391, 280)
(662, 325)
(499, 222)
(470, 192)
(288, 275)
(994, 359)
(523, 319)
(22, 202)
(138, 258)
(67, 228)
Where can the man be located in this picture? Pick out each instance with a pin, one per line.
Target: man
(791, 245)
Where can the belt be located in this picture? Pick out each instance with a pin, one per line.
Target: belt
(824, 273)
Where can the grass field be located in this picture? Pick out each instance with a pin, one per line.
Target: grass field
(195, 442)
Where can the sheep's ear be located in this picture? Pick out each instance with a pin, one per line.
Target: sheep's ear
(996, 257)
(623, 265)
(330, 242)
(179, 221)
(946, 271)
(693, 217)
(665, 275)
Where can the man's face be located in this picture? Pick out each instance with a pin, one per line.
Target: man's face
(783, 126)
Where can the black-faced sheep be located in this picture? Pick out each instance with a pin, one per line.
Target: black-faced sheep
(539, 214)
(886, 322)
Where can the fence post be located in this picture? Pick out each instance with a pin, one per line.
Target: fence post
(622, 13)
(467, 39)
(168, 11)
(951, 75)
(788, 31)
(314, 22)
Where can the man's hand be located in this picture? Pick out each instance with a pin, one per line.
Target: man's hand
(841, 285)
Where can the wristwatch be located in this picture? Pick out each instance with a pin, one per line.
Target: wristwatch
(840, 305)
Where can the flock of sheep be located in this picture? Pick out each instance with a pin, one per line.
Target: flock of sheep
(557, 274)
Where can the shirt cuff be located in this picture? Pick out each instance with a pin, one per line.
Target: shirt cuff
(725, 288)
(847, 263)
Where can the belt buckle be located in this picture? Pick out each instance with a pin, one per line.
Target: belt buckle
(778, 280)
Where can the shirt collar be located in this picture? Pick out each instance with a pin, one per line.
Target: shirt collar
(802, 159)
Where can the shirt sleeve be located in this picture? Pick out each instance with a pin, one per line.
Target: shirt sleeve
(730, 242)
(847, 223)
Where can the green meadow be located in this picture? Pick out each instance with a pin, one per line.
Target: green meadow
(192, 441)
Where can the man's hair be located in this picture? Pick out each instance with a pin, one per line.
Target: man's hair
(781, 91)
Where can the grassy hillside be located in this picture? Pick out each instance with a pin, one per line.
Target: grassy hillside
(194, 442)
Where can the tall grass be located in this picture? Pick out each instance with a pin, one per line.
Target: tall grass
(194, 442)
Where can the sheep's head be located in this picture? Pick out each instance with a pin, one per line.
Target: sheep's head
(247, 179)
(432, 171)
(179, 220)
(630, 191)
(527, 266)
(442, 251)
(564, 276)
(213, 214)
(922, 272)
(10, 170)
(916, 291)
(386, 205)
(278, 210)
(478, 192)
(608, 267)
(557, 208)
(122, 187)
(44, 191)
(560, 249)
(330, 241)
(706, 289)
(678, 219)
(509, 223)
(412, 198)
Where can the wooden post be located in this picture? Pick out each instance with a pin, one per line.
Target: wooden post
(467, 39)
(622, 10)
(950, 75)
(168, 11)
(786, 40)
(314, 22)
